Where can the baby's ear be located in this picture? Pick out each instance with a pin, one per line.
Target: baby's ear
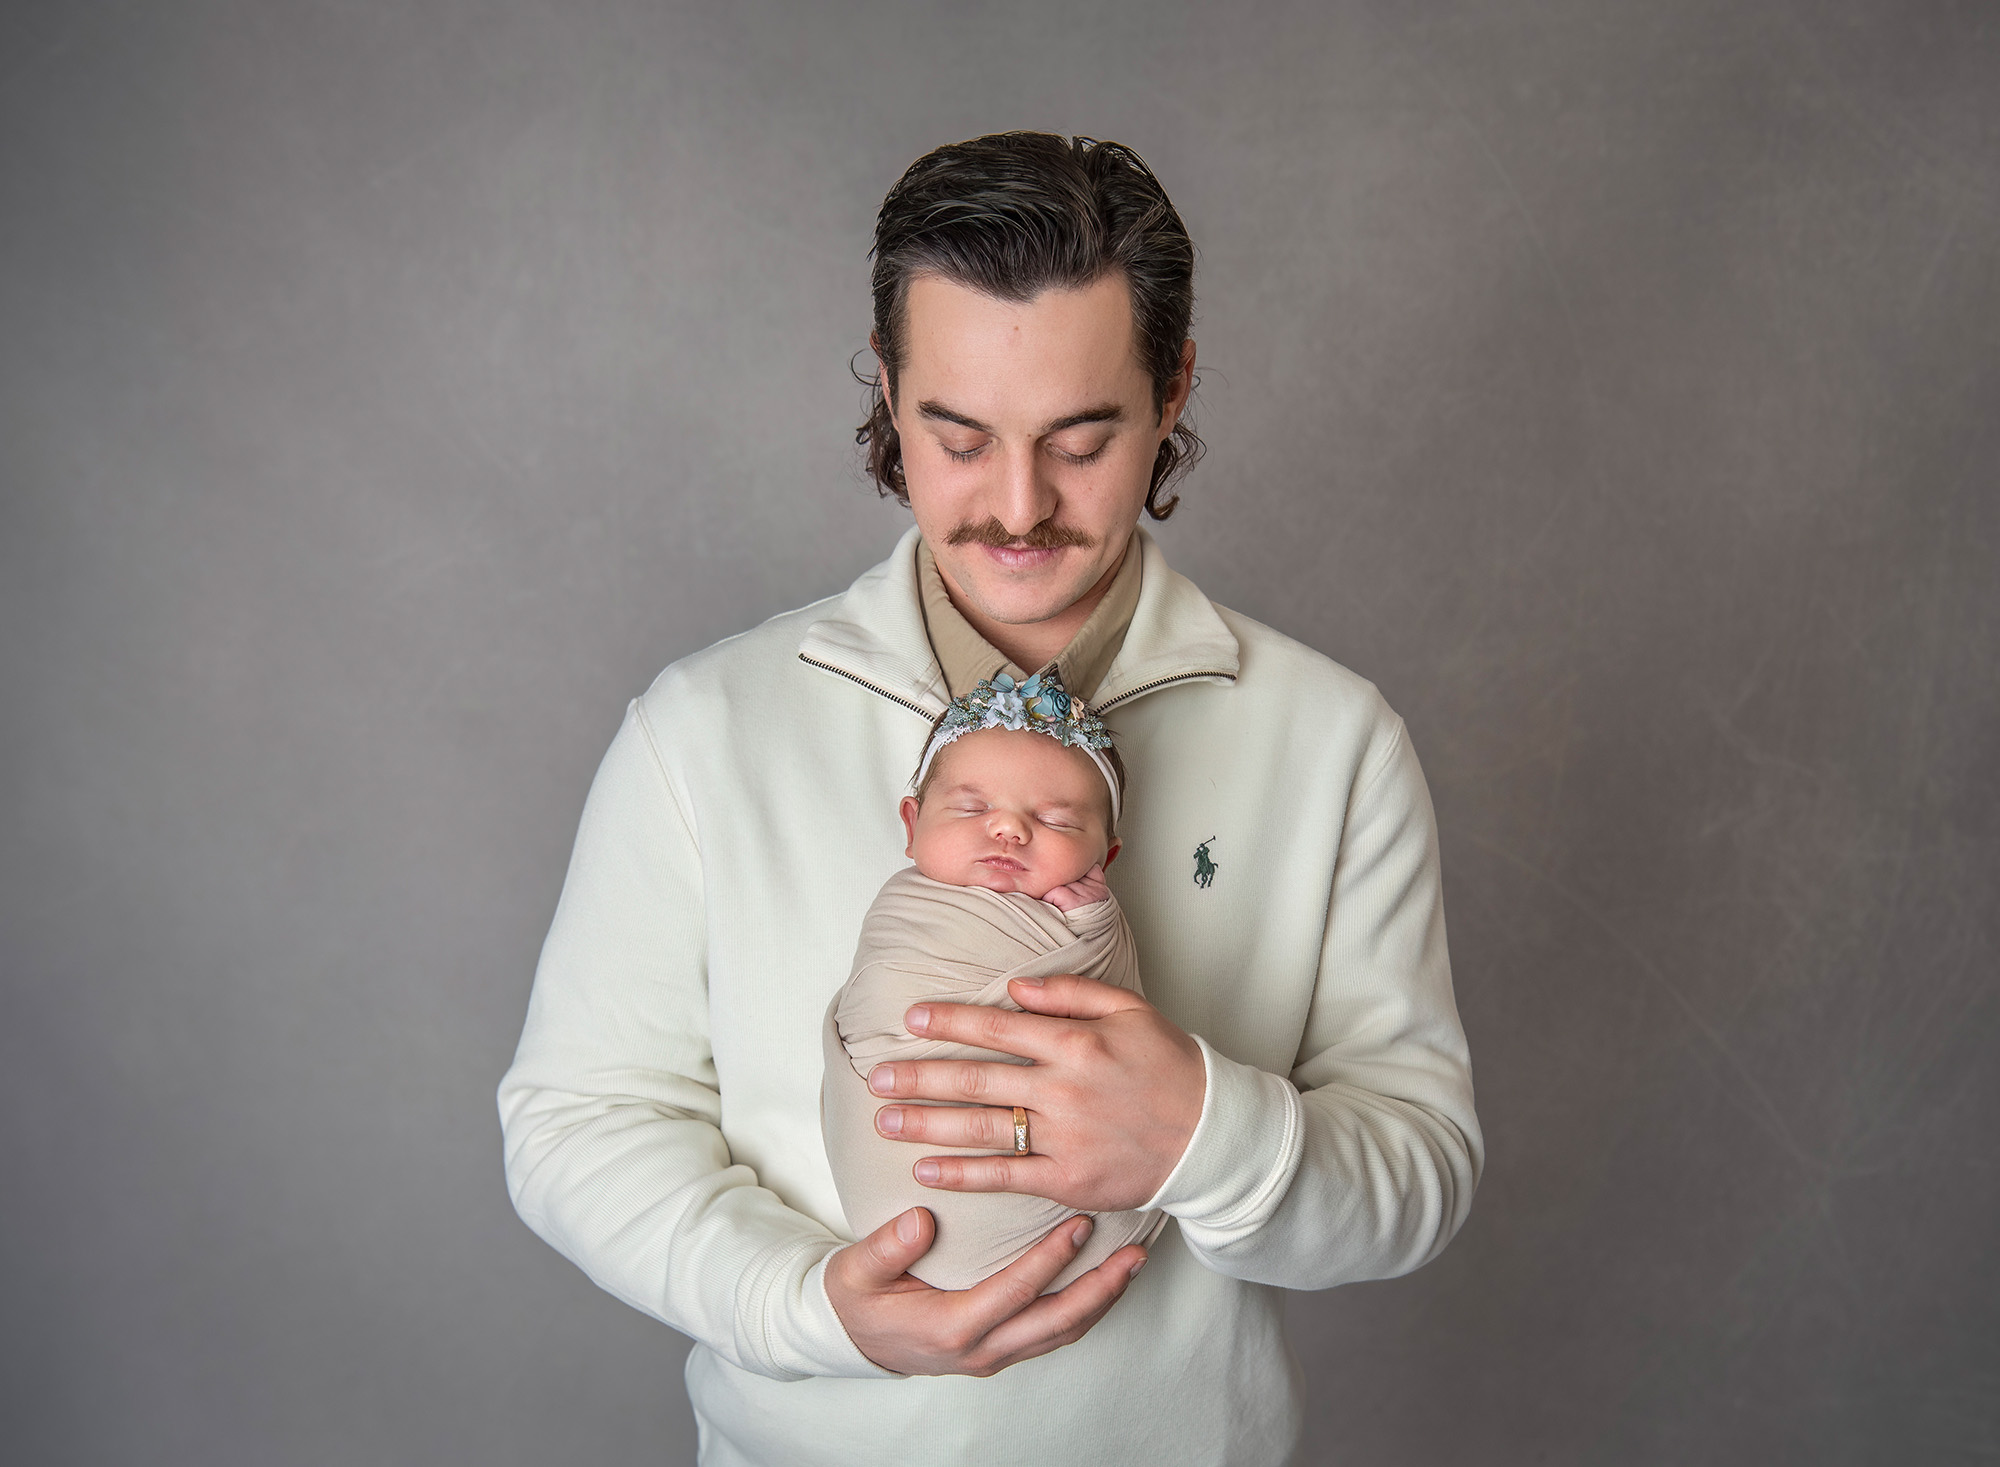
(1110, 855)
(908, 810)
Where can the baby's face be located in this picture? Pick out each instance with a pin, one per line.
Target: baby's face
(1010, 811)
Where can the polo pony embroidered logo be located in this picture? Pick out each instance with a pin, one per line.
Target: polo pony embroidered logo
(1204, 864)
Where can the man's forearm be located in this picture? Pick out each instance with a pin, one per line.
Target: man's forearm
(1308, 1191)
(613, 1148)
(642, 1197)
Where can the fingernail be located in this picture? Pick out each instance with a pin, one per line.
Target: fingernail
(918, 1020)
(1080, 1234)
(927, 1172)
(1135, 1270)
(1029, 982)
(889, 1121)
(882, 1079)
(907, 1226)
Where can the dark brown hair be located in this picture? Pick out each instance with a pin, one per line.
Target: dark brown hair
(1016, 213)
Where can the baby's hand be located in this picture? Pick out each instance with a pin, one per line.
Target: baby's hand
(1085, 890)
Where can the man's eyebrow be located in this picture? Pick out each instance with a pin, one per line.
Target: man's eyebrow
(929, 408)
(1104, 412)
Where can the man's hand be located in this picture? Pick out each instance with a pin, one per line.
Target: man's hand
(1112, 1097)
(903, 1324)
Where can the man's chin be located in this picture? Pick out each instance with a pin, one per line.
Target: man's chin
(1023, 598)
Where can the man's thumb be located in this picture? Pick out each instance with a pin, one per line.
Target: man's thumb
(888, 1252)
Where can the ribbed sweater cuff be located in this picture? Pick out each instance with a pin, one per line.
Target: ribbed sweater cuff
(788, 1321)
(1242, 1157)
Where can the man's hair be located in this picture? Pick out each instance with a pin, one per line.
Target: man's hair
(1016, 213)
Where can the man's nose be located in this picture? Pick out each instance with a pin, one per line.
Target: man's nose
(1026, 496)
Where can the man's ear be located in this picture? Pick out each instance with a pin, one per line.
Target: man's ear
(1110, 855)
(908, 810)
(1182, 389)
(882, 373)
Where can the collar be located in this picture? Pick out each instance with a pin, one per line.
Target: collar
(874, 635)
(967, 657)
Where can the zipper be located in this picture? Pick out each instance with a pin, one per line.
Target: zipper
(871, 687)
(1179, 677)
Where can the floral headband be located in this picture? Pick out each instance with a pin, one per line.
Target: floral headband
(1039, 704)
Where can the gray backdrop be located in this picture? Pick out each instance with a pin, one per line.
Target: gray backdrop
(387, 391)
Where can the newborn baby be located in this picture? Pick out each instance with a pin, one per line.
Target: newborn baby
(1011, 826)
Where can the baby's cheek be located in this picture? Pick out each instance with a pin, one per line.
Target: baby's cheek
(932, 855)
(1077, 860)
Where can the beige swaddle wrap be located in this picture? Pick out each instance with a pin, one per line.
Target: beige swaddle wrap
(923, 939)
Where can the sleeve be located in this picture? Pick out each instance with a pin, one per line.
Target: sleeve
(1362, 1165)
(610, 1112)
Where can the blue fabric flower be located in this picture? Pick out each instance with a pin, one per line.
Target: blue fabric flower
(1038, 703)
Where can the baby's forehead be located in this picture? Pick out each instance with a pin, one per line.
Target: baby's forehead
(1023, 761)
(1020, 751)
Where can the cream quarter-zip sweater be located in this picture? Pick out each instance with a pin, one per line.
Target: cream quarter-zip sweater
(661, 1117)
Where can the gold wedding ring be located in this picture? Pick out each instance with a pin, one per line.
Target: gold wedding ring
(1020, 1131)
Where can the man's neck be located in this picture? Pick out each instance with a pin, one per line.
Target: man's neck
(1032, 645)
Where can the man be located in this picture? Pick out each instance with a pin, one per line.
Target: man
(1296, 1094)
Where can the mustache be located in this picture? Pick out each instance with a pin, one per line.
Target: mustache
(1048, 535)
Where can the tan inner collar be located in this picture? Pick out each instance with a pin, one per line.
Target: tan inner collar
(967, 657)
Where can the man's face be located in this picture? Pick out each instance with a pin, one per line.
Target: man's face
(1029, 437)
